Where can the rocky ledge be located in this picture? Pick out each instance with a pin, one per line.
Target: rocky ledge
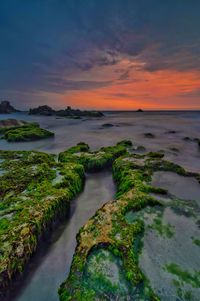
(108, 234)
(35, 191)
(14, 130)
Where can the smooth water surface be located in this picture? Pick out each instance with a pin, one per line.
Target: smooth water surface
(186, 188)
(169, 130)
(51, 265)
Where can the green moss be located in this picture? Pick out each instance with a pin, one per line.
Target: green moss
(80, 147)
(4, 225)
(27, 132)
(163, 165)
(32, 197)
(97, 276)
(156, 155)
(109, 227)
(185, 276)
(126, 143)
(163, 229)
(188, 296)
(30, 203)
(35, 189)
(196, 242)
(92, 161)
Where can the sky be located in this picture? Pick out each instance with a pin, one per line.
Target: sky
(100, 54)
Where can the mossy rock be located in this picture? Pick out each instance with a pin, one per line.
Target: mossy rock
(109, 229)
(32, 197)
(30, 203)
(27, 132)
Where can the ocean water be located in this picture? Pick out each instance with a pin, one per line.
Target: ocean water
(126, 125)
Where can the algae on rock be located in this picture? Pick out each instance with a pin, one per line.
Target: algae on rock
(35, 191)
(109, 230)
(24, 132)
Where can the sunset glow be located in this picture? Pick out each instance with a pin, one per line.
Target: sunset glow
(100, 55)
(158, 90)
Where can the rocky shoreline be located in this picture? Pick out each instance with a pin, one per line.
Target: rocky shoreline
(35, 191)
(109, 230)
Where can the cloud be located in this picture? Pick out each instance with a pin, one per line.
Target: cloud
(45, 45)
(61, 85)
(195, 94)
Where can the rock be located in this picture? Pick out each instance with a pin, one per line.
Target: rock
(139, 110)
(42, 110)
(174, 149)
(69, 112)
(6, 108)
(139, 148)
(18, 130)
(78, 113)
(149, 135)
(171, 132)
(107, 125)
(9, 123)
(188, 139)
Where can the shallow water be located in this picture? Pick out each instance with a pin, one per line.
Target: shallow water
(160, 251)
(169, 239)
(51, 265)
(186, 188)
(128, 125)
(104, 274)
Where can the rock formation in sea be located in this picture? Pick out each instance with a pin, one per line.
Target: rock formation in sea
(6, 108)
(14, 130)
(68, 112)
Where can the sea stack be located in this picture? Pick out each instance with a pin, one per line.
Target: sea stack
(6, 108)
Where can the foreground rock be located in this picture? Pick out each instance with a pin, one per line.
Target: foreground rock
(18, 130)
(6, 108)
(69, 112)
(35, 191)
(10, 123)
(106, 261)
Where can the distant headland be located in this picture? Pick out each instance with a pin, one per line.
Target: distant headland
(68, 112)
(7, 108)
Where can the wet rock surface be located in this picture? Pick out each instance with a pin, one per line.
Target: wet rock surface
(36, 189)
(14, 130)
(149, 235)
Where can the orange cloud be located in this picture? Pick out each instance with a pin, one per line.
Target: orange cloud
(131, 87)
(165, 89)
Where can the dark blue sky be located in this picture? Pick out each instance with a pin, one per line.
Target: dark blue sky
(62, 52)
